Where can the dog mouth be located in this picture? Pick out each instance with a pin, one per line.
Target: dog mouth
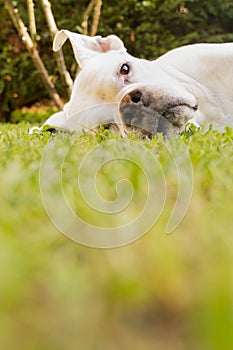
(152, 113)
(179, 114)
(145, 121)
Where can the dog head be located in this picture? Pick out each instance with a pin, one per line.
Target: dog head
(148, 93)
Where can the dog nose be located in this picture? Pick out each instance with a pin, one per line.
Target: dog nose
(137, 97)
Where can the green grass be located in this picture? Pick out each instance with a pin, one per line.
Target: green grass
(160, 292)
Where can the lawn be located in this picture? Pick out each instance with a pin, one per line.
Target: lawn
(162, 291)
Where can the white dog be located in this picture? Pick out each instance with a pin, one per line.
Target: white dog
(190, 83)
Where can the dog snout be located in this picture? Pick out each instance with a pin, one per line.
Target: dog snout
(137, 97)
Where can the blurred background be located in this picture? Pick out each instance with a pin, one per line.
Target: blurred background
(148, 28)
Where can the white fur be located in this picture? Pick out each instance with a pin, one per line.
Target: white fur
(200, 73)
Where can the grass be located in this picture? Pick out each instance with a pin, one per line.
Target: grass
(160, 292)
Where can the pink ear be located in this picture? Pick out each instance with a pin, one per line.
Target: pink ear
(85, 47)
(111, 42)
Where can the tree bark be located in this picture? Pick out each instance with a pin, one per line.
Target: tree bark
(32, 21)
(96, 17)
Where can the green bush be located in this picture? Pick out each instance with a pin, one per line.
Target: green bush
(22, 115)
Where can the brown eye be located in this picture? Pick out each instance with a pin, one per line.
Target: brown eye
(124, 69)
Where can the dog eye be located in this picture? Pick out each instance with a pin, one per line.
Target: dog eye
(124, 69)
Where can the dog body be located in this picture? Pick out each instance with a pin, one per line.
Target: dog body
(192, 83)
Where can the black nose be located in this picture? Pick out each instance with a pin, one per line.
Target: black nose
(137, 97)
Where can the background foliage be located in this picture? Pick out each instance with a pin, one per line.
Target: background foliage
(148, 28)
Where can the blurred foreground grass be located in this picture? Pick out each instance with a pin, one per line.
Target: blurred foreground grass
(160, 292)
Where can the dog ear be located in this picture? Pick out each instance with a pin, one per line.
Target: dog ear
(85, 47)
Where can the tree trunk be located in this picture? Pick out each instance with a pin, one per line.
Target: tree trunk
(65, 75)
(35, 56)
(96, 17)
